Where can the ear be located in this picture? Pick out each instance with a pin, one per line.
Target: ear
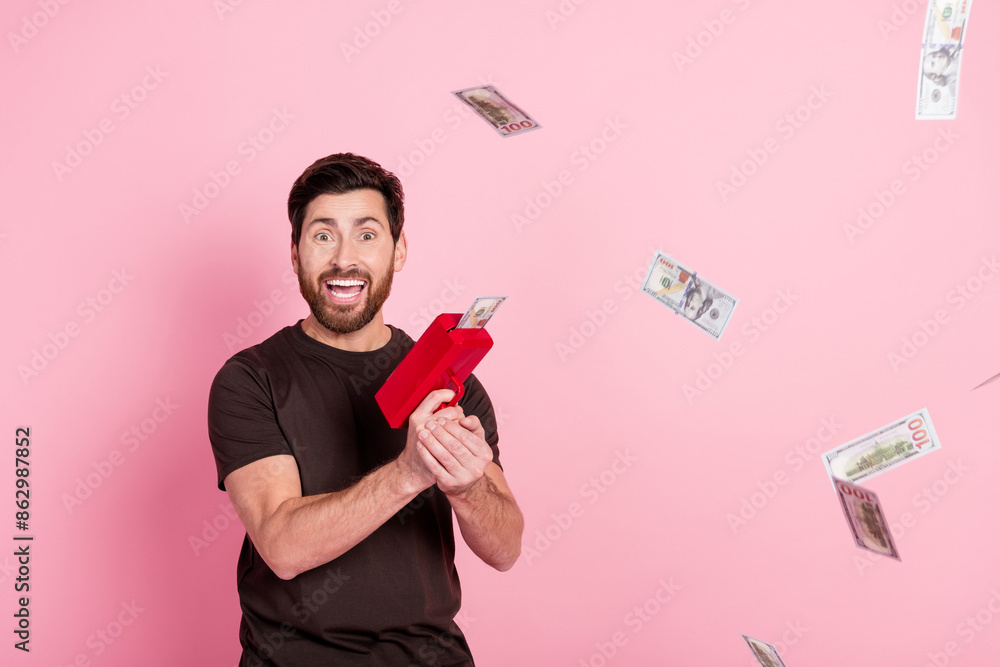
(295, 258)
(399, 253)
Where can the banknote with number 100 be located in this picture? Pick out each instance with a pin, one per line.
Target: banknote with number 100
(506, 117)
(883, 449)
(866, 519)
(686, 293)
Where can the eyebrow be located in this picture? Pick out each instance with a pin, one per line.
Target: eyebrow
(357, 222)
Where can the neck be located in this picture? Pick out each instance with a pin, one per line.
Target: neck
(370, 337)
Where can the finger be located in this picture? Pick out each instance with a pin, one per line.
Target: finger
(471, 422)
(457, 450)
(431, 446)
(453, 412)
(430, 404)
(434, 399)
(465, 445)
(430, 462)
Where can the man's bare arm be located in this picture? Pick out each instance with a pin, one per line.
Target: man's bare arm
(295, 533)
(490, 520)
(487, 514)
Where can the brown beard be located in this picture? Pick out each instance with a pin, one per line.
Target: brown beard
(340, 319)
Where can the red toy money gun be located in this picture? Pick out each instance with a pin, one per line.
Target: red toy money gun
(442, 359)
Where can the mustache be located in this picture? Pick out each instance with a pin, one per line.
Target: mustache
(357, 274)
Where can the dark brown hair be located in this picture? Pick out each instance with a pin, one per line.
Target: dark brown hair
(339, 174)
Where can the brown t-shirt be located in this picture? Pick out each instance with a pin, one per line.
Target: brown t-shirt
(390, 600)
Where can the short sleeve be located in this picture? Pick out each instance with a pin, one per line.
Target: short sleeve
(242, 422)
(477, 402)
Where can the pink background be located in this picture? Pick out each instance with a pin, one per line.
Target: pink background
(191, 292)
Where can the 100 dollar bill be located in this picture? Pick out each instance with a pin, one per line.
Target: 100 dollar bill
(866, 519)
(480, 312)
(766, 654)
(893, 444)
(686, 293)
(941, 59)
(492, 106)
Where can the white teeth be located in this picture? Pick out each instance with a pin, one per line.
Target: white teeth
(345, 283)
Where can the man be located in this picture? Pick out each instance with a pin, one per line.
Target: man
(349, 554)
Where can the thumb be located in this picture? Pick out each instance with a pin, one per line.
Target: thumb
(433, 400)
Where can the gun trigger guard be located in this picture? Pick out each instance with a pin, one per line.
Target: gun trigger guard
(459, 390)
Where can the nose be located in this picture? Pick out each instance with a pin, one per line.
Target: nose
(344, 256)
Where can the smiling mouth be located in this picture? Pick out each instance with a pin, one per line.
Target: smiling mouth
(344, 290)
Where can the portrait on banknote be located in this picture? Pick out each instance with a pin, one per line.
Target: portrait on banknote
(941, 66)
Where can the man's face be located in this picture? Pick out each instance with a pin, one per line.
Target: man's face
(936, 63)
(694, 301)
(345, 259)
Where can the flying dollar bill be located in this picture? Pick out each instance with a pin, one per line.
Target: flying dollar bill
(506, 117)
(686, 293)
(766, 654)
(902, 440)
(941, 59)
(480, 312)
(864, 515)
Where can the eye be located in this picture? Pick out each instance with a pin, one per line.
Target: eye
(368, 236)
(323, 237)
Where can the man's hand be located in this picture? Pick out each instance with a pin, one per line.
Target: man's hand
(449, 449)
(412, 461)
(455, 452)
